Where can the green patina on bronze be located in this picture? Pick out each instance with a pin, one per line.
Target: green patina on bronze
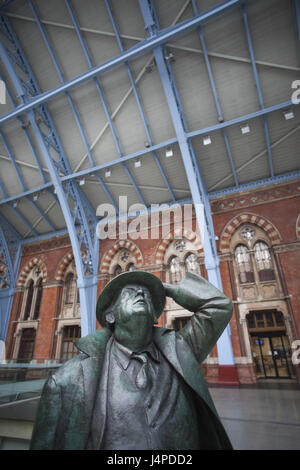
(76, 409)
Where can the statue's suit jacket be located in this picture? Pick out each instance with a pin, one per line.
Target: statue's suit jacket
(68, 399)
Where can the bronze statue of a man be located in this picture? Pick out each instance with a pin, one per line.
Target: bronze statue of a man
(134, 385)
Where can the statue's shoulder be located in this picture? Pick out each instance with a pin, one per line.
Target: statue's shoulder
(92, 345)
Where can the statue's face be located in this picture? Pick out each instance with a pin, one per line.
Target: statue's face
(134, 302)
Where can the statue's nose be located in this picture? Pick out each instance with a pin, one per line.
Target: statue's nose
(140, 292)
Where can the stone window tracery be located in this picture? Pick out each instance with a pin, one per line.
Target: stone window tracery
(123, 260)
(244, 264)
(263, 261)
(254, 264)
(32, 296)
(175, 270)
(192, 264)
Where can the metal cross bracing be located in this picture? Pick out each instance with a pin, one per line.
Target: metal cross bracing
(133, 85)
(101, 96)
(10, 255)
(71, 102)
(79, 215)
(142, 47)
(258, 86)
(198, 190)
(215, 95)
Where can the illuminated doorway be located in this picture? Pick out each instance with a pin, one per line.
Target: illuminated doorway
(270, 345)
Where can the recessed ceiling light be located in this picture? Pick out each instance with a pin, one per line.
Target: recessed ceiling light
(107, 173)
(289, 115)
(245, 129)
(81, 182)
(169, 152)
(137, 163)
(207, 140)
(15, 204)
(35, 197)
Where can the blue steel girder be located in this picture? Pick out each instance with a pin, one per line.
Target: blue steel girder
(101, 95)
(138, 101)
(190, 135)
(21, 181)
(79, 216)
(142, 47)
(199, 194)
(71, 102)
(10, 254)
(76, 115)
(258, 86)
(215, 95)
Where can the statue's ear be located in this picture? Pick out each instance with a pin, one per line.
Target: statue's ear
(110, 318)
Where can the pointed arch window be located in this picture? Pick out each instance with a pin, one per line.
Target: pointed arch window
(117, 270)
(29, 298)
(244, 265)
(38, 299)
(263, 261)
(131, 267)
(70, 289)
(175, 270)
(192, 264)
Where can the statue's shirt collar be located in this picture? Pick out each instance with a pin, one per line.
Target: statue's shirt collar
(125, 355)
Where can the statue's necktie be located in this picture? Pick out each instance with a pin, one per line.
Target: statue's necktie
(143, 376)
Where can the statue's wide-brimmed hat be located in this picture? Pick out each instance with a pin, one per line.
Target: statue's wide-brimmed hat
(113, 288)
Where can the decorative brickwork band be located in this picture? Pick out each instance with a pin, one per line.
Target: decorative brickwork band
(248, 218)
(120, 244)
(26, 270)
(178, 233)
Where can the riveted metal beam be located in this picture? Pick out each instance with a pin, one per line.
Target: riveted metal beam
(198, 191)
(138, 101)
(141, 48)
(79, 216)
(10, 255)
(258, 86)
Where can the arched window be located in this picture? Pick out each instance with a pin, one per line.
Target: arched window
(263, 261)
(191, 263)
(244, 265)
(30, 287)
(38, 299)
(175, 270)
(70, 289)
(117, 270)
(131, 267)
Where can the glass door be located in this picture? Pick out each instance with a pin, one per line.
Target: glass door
(280, 351)
(271, 355)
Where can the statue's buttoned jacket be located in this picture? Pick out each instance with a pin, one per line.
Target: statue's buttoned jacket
(67, 405)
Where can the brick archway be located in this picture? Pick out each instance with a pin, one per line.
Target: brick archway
(129, 245)
(26, 270)
(178, 233)
(67, 259)
(249, 218)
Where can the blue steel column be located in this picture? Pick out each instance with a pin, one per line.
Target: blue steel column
(199, 195)
(10, 254)
(79, 216)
